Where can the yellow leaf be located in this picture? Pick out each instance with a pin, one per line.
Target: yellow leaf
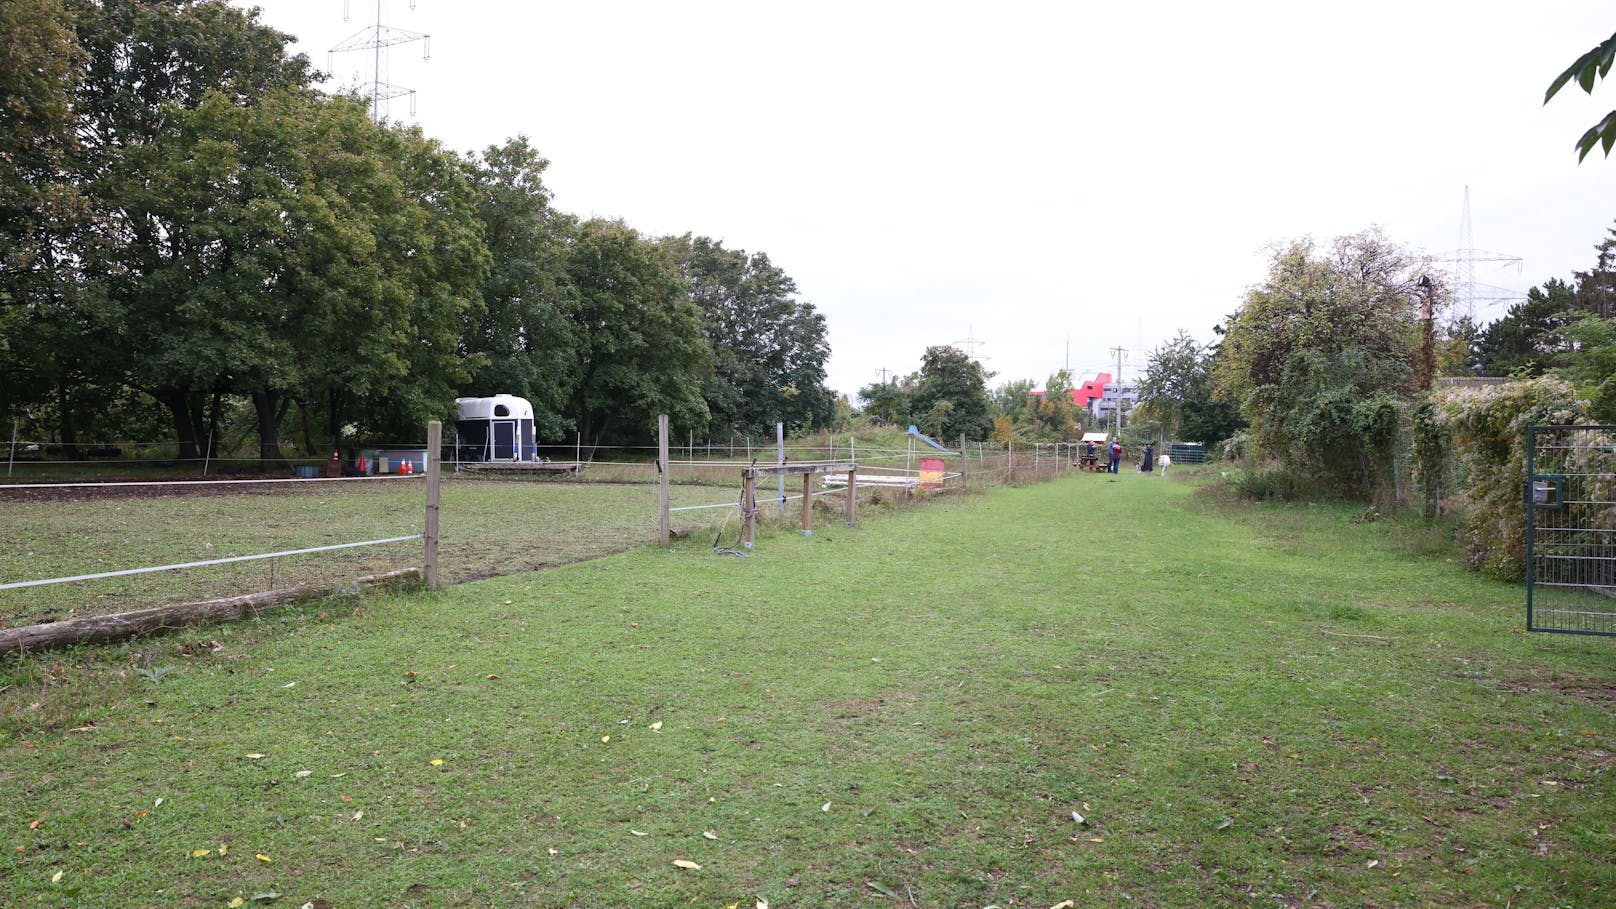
(198, 853)
(224, 848)
(709, 834)
(237, 903)
(436, 762)
(762, 904)
(657, 726)
(604, 739)
(686, 863)
(636, 832)
(1066, 904)
(56, 878)
(263, 858)
(358, 814)
(254, 756)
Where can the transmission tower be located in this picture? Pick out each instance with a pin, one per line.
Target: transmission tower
(377, 38)
(1464, 261)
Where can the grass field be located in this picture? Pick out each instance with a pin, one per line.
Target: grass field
(1245, 706)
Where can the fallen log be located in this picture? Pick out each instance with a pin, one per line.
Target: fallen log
(163, 619)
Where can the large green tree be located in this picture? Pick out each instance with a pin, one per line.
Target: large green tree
(769, 348)
(526, 336)
(951, 398)
(1321, 355)
(307, 256)
(1176, 390)
(143, 64)
(1529, 339)
(640, 350)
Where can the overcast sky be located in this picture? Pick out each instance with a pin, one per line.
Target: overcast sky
(1045, 180)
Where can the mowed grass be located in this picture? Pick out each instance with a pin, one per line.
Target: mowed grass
(487, 527)
(1267, 706)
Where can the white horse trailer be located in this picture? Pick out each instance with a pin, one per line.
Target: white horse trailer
(499, 428)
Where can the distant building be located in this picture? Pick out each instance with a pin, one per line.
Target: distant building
(1086, 394)
(1116, 394)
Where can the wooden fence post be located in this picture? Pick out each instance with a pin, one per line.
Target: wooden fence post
(807, 504)
(662, 480)
(852, 496)
(748, 511)
(434, 447)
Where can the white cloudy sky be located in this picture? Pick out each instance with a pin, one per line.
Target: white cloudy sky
(1037, 176)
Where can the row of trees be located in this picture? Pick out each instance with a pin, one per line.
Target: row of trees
(186, 225)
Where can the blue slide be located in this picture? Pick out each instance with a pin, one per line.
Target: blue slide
(914, 431)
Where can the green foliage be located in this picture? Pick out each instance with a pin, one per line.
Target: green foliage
(947, 374)
(1588, 69)
(1176, 391)
(526, 334)
(1528, 340)
(769, 348)
(640, 348)
(886, 401)
(1487, 428)
(1320, 357)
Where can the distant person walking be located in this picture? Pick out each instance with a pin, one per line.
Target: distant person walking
(1149, 463)
(1116, 456)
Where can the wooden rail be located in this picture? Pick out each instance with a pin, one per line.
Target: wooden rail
(749, 478)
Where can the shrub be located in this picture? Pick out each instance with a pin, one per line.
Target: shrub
(1486, 433)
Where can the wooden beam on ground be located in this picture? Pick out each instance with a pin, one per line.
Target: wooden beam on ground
(162, 619)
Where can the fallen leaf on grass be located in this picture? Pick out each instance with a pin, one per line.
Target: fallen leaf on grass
(358, 815)
(493, 675)
(265, 897)
(262, 857)
(198, 853)
(346, 798)
(1226, 823)
(880, 888)
(158, 803)
(1373, 863)
(686, 863)
(303, 773)
(224, 848)
(762, 904)
(636, 832)
(34, 825)
(1066, 904)
(436, 762)
(657, 726)
(825, 807)
(56, 878)
(604, 739)
(1078, 818)
(236, 903)
(290, 685)
(709, 834)
(254, 756)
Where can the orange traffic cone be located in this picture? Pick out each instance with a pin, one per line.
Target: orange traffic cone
(408, 467)
(364, 468)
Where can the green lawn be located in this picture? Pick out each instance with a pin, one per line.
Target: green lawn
(1254, 706)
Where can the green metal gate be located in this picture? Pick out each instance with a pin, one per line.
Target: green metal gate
(1571, 529)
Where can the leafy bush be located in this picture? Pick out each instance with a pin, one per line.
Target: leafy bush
(1486, 433)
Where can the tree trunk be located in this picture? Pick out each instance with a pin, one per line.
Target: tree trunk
(69, 433)
(179, 407)
(267, 404)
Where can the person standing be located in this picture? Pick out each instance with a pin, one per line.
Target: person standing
(1149, 464)
(1116, 455)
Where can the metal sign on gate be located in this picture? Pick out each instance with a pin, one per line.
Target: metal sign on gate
(1571, 529)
